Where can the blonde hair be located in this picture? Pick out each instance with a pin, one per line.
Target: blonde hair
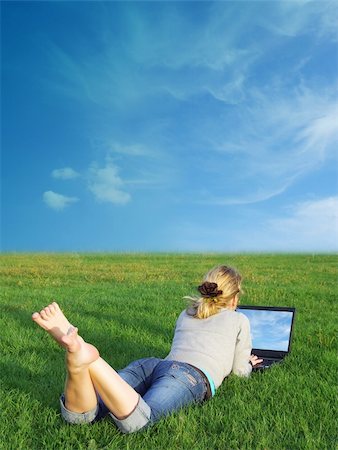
(228, 284)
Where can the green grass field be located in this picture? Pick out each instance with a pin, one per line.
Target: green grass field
(127, 305)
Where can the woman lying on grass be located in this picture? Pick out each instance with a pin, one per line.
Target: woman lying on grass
(211, 340)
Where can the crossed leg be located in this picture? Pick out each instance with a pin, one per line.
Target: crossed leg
(87, 372)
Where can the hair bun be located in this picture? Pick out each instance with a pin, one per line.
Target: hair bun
(208, 289)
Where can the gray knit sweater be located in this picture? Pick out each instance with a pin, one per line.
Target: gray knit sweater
(217, 345)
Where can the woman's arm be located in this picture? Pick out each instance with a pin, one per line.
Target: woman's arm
(241, 365)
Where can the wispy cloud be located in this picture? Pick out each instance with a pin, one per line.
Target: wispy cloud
(153, 60)
(303, 17)
(277, 140)
(106, 184)
(311, 224)
(259, 195)
(58, 202)
(66, 173)
(212, 55)
(131, 150)
(263, 128)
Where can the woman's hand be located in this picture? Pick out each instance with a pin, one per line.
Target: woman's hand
(254, 360)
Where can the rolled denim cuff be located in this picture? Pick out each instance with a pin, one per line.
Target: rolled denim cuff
(74, 417)
(136, 420)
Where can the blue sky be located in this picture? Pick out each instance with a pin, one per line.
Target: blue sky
(169, 126)
(270, 330)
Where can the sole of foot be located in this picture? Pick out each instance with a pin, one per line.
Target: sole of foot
(52, 319)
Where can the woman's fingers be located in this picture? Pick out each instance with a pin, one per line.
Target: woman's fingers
(254, 360)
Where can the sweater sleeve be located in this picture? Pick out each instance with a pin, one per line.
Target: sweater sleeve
(241, 366)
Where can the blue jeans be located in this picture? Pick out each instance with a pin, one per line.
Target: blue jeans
(164, 386)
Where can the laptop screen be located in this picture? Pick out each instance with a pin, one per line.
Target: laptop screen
(270, 327)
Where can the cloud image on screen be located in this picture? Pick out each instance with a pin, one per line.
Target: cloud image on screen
(270, 330)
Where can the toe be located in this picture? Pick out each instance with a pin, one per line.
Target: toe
(44, 315)
(38, 319)
(56, 306)
(52, 308)
(47, 311)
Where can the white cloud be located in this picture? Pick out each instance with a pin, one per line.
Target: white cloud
(270, 329)
(106, 184)
(131, 150)
(66, 173)
(312, 225)
(147, 164)
(58, 201)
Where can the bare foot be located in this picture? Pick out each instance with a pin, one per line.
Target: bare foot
(79, 353)
(54, 321)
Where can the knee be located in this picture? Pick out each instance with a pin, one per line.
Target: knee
(74, 417)
(137, 420)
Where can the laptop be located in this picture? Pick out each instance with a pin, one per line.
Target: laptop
(271, 332)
